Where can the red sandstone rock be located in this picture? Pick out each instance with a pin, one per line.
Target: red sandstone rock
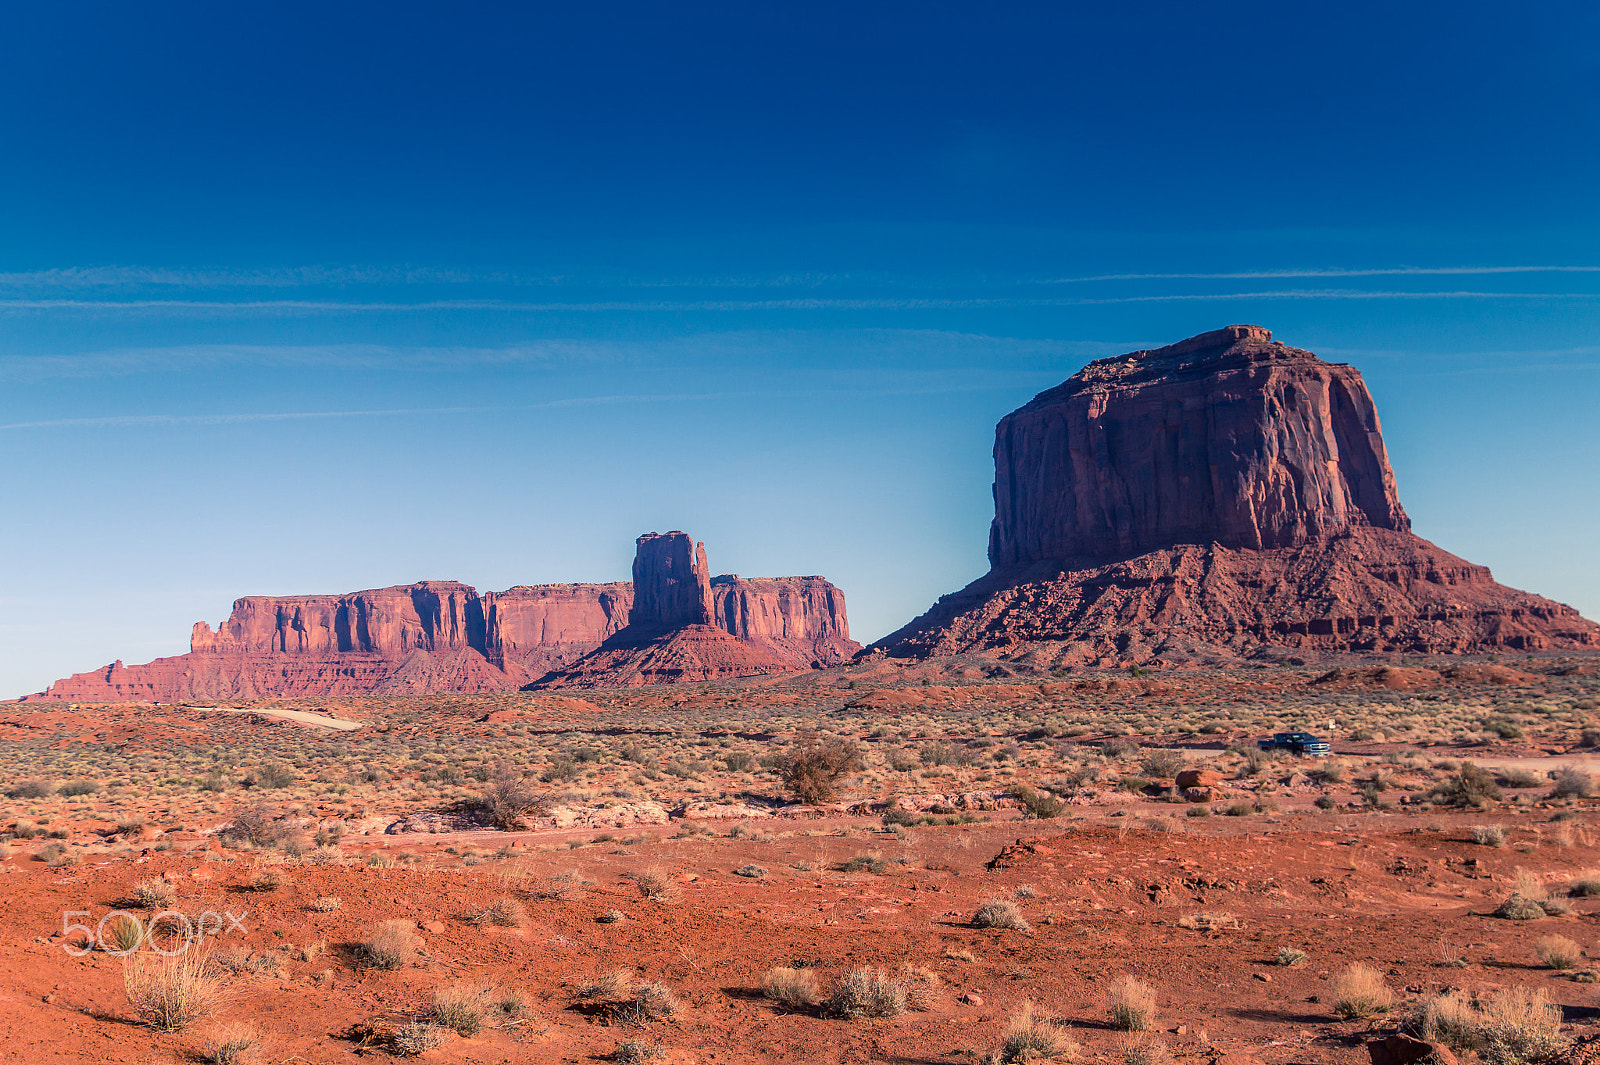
(797, 619)
(1208, 501)
(687, 654)
(1224, 438)
(1399, 1049)
(538, 628)
(1198, 778)
(662, 643)
(438, 636)
(671, 583)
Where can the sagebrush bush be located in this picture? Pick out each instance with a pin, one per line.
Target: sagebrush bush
(1489, 835)
(508, 800)
(171, 994)
(1359, 991)
(1131, 1003)
(1037, 804)
(416, 1038)
(811, 770)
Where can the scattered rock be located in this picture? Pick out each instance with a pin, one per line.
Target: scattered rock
(1400, 1049)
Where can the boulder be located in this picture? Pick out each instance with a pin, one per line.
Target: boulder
(1398, 1049)
(1199, 778)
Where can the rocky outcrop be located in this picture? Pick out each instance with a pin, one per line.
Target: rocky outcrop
(671, 583)
(797, 619)
(684, 655)
(437, 636)
(1225, 438)
(762, 626)
(1220, 498)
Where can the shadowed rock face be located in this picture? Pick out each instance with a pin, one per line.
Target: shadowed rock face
(1208, 501)
(671, 584)
(1225, 438)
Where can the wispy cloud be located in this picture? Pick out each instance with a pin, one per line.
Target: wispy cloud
(1382, 271)
(222, 308)
(134, 421)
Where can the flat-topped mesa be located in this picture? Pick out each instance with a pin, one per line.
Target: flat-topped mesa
(1209, 501)
(426, 616)
(671, 582)
(1227, 438)
(799, 618)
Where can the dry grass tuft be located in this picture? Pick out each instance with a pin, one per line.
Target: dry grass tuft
(502, 913)
(391, 945)
(154, 893)
(1519, 1025)
(1208, 922)
(1034, 1034)
(1558, 952)
(652, 1001)
(170, 994)
(603, 988)
(792, 988)
(327, 904)
(123, 935)
(232, 1044)
(656, 885)
(921, 984)
(866, 993)
(1132, 1004)
(1000, 913)
(460, 1008)
(1146, 1052)
(1290, 958)
(1359, 991)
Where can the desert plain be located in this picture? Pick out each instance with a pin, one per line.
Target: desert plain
(996, 864)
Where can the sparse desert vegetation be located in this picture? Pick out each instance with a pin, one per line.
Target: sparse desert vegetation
(984, 836)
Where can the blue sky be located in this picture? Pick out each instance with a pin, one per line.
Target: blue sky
(316, 300)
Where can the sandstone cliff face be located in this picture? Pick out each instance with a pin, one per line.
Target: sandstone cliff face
(543, 627)
(427, 616)
(800, 619)
(1213, 500)
(1225, 438)
(671, 583)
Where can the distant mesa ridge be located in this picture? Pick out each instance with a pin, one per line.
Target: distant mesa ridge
(436, 636)
(1222, 497)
